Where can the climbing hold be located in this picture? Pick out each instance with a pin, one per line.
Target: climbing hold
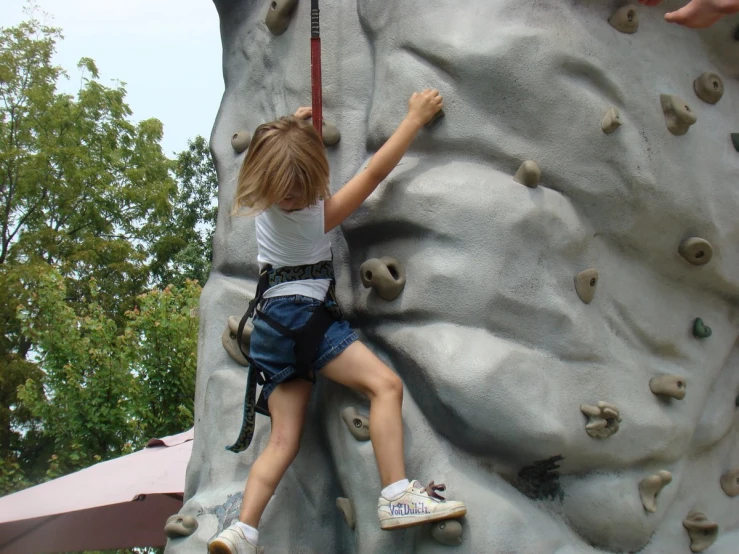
(437, 116)
(611, 121)
(603, 419)
(696, 250)
(585, 283)
(730, 482)
(709, 87)
(625, 19)
(358, 424)
(447, 532)
(701, 531)
(240, 141)
(735, 141)
(180, 526)
(278, 15)
(700, 329)
(386, 276)
(678, 115)
(331, 134)
(668, 385)
(345, 507)
(228, 339)
(528, 174)
(650, 487)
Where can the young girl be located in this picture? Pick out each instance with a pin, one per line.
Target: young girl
(285, 180)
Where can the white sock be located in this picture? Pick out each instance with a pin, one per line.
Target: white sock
(394, 489)
(252, 535)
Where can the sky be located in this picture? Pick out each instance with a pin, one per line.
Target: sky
(167, 52)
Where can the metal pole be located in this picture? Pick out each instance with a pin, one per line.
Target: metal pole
(315, 68)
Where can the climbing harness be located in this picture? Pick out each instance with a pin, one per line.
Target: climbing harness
(315, 69)
(307, 338)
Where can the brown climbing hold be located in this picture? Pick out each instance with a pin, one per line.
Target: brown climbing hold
(730, 482)
(358, 424)
(437, 116)
(345, 507)
(696, 250)
(668, 385)
(180, 526)
(611, 121)
(651, 486)
(709, 87)
(585, 283)
(331, 134)
(678, 115)
(625, 19)
(386, 276)
(603, 419)
(240, 141)
(279, 14)
(702, 532)
(448, 532)
(228, 339)
(528, 174)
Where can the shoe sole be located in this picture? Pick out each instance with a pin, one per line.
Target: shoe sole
(218, 547)
(393, 523)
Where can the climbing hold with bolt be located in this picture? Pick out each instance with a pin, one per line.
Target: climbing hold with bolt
(730, 482)
(672, 386)
(603, 419)
(678, 115)
(448, 532)
(625, 19)
(228, 339)
(346, 509)
(180, 526)
(240, 141)
(585, 283)
(700, 329)
(651, 486)
(357, 424)
(611, 121)
(279, 14)
(696, 250)
(702, 532)
(528, 174)
(385, 275)
(709, 87)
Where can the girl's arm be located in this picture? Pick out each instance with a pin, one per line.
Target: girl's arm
(421, 108)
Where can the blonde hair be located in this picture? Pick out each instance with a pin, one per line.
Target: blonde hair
(285, 157)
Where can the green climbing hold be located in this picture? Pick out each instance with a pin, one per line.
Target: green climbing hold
(735, 140)
(700, 329)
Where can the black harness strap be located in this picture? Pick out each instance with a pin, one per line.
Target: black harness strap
(307, 338)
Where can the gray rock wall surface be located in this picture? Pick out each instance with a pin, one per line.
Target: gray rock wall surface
(504, 364)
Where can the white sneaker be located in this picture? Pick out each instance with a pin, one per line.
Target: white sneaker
(417, 505)
(233, 541)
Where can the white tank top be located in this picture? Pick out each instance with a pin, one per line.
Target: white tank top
(293, 238)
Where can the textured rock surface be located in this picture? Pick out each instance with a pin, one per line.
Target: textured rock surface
(495, 348)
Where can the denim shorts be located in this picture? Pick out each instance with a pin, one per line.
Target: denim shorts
(274, 353)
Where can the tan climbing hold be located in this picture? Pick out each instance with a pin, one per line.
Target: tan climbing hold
(331, 134)
(528, 174)
(696, 250)
(228, 339)
(386, 276)
(702, 532)
(345, 507)
(625, 19)
(180, 526)
(650, 487)
(673, 386)
(603, 419)
(358, 424)
(678, 115)
(585, 283)
(279, 14)
(730, 482)
(240, 141)
(611, 121)
(709, 87)
(448, 532)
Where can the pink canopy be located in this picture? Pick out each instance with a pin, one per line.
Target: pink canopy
(120, 503)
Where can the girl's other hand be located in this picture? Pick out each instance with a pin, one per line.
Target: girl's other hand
(424, 105)
(303, 113)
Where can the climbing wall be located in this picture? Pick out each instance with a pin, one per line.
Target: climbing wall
(552, 269)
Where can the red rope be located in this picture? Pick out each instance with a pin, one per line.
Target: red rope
(315, 69)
